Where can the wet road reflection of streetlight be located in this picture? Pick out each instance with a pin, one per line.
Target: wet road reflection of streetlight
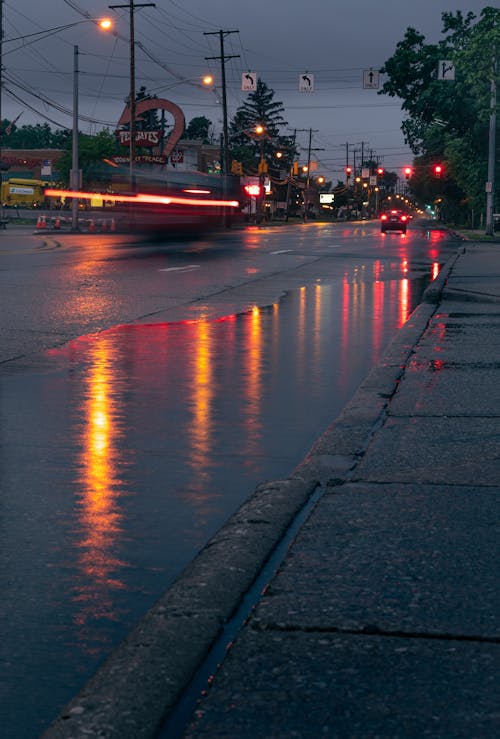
(200, 429)
(99, 487)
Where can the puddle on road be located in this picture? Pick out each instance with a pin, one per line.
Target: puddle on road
(134, 446)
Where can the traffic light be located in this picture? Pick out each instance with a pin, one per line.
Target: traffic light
(348, 171)
(236, 167)
(408, 172)
(437, 170)
(380, 171)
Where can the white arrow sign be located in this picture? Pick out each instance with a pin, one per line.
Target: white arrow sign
(370, 79)
(306, 82)
(446, 70)
(249, 81)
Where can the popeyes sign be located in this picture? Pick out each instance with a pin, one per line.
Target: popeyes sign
(142, 138)
(151, 138)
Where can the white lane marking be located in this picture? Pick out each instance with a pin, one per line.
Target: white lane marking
(187, 268)
(281, 251)
(334, 246)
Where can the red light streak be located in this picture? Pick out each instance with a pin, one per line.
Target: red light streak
(140, 198)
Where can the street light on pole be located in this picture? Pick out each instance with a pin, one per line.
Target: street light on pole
(260, 132)
(105, 24)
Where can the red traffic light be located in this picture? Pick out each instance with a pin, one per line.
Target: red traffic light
(408, 172)
(253, 190)
(380, 170)
(438, 170)
(348, 170)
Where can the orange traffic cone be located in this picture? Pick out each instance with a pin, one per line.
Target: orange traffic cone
(57, 223)
(39, 222)
(91, 226)
(44, 222)
(112, 226)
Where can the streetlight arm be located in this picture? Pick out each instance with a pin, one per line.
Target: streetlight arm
(40, 35)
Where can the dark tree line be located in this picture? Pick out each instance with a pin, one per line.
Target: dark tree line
(448, 121)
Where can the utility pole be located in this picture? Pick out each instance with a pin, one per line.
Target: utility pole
(132, 7)
(225, 145)
(308, 178)
(75, 172)
(1, 86)
(290, 174)
(490, 185)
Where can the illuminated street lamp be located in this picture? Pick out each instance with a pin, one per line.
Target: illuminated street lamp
(106, 25)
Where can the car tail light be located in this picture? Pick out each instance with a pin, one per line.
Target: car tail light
(404, 218)
(383, 217)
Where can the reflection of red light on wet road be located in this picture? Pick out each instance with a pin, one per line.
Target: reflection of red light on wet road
(404, 288)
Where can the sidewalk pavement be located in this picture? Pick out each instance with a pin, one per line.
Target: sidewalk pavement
(382, 619)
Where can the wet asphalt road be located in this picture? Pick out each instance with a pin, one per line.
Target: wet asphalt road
(145, 391)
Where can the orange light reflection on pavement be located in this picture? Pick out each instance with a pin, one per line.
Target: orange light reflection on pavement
(100, 488)
(200, 430)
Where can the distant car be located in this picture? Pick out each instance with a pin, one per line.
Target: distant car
(393, 220)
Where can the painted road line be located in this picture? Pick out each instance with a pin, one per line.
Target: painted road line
(282, 251)
(187, 268)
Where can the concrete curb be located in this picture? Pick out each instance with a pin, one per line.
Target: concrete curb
(141, 681)
(133, 692)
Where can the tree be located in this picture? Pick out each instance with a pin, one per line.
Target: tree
(448, 120)
(39, 136)
(91, 151)
(246, 146)
(198, 129)
(147, 121)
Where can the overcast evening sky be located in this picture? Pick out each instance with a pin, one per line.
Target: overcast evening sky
(280, 40)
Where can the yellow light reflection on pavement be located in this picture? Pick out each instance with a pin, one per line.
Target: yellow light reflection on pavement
(100, 487)
(200, 430)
